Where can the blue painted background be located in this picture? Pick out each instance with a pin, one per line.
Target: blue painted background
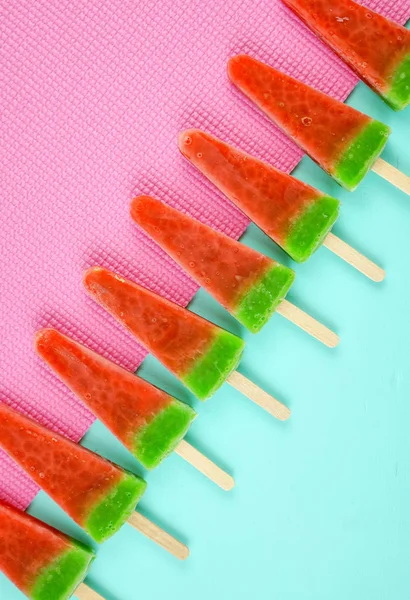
(320, 510)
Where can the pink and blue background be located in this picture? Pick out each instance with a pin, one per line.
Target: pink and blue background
(93, 96)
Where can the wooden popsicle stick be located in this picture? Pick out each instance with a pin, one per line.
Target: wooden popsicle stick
(205, 465)
(83, 592)
(308, 323)
(354, 258)
(392, 175)
(259, 396)
(158, 535)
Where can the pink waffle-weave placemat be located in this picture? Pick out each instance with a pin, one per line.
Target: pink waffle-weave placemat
(93, 95)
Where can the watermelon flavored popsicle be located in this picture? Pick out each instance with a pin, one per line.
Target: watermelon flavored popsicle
(42, 562)
(248, 284)
(95, 493)
(202, 355)
(293, 214)
(343, 141)
(375, 48)
(148, 421)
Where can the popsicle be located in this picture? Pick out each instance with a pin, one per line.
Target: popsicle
(149, 422)
(42, 562)
(293, 214)
(377, 49)
(97, 494)
(248, 284)
(202, 355)
(342, 140)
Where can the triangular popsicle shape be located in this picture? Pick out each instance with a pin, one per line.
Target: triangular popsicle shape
(247, 283)
(147, 420)
(377, 49)
(199, 353)
(202, 355)
(343, 141)
(42, 562)
(295, 215)
(97, 494)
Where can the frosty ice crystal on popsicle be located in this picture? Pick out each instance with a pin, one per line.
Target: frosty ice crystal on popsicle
(377, 49)
(42, 563)
(343, 141)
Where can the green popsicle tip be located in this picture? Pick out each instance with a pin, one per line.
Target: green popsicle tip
(211, 370)
(111, 513)
(261, 301)
(62, 577)
(361, 155)
(162, 435)
(310, 229)
(398, 97)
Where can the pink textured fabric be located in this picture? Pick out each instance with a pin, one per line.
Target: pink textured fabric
(93, 95)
